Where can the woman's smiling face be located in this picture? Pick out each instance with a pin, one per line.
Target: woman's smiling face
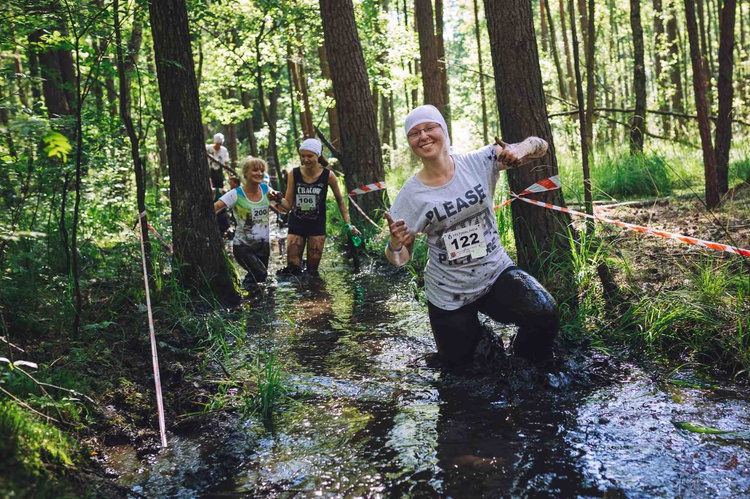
(254, 174)
(427, 140)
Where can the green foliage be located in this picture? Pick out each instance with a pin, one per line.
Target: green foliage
(633, 176)
(57, 146)
(34, 456)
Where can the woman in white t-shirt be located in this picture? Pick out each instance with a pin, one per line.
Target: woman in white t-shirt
(250, 205)
(450, 199)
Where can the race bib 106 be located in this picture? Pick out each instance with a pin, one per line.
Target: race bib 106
(467, 241)
(306, 202)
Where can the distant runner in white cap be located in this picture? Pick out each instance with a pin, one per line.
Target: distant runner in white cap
(218, 158)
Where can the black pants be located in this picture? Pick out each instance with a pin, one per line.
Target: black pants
(254, 260)
(515, 298)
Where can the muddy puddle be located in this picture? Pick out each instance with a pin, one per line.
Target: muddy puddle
(370, 419)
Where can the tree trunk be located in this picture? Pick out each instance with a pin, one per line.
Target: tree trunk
(125, 109)
(659, 44)
(675, 78)
(442, 63)
(582, 121)
(197, 242)
(361, 160)
(299, 77)
(590, 40)
(726, 92)
(249, 127)
(701, 107)
(555, 55)
(638, 122)
(543, 20)
(428, 52)
(480, 70)
(334, 135)
(568, 61)
(539, 233)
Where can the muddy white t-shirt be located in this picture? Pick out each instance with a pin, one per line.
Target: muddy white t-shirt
(251, 216)
(465, 256)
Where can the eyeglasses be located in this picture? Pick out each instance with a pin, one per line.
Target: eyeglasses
(416, 133)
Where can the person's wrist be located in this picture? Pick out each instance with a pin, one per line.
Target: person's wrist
(393, 250)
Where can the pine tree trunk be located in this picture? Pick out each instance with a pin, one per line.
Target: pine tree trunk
(590, 40)
(566, 47)
(442, 63)
(428, 52)
(725, 91)
(556, 55)
(701, 107)
(480, 70)
(543, 20)
(539, 233)
(362, 162)
(675, 76)
(197, 242)
(249, 126)
(638, 122)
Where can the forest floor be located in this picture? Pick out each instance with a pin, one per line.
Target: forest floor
(123, 386)
(659, 263)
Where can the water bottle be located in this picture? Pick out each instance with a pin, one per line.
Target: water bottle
(356, 239)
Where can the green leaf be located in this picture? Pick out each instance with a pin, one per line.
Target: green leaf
(698, 428)
(58, 146)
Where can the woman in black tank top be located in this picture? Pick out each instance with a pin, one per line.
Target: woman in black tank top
(305, 198)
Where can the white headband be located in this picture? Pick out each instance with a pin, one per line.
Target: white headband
(427, 114)
(312, 145)
(219, 138)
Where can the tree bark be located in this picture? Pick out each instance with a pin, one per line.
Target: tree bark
(361, 159)
(675, 76)
(428, 52)
(638, 122)
(333, 120)
(725, 91)
(480, 70)
(539, 233)
(566, 47)
(249, 126)
(442, 63)
(555, 55)
(701, 107)
(590, 40)
(197, 242)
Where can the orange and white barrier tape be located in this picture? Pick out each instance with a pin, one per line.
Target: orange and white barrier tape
(152, 334)
(548, 184)
(639, 228)
(553, 183)
(377, 186)
(164, 242)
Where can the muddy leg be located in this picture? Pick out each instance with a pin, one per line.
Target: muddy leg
(295, 246)
(314, 252)
(518, 298)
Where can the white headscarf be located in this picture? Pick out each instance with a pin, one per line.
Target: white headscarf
(219, 138)
(427, 114)
(313, 145)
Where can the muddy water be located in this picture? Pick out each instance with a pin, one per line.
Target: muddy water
(370, 419)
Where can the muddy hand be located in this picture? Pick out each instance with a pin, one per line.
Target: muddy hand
(400, 233)
(507, 156)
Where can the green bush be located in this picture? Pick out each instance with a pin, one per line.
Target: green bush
(633, 176)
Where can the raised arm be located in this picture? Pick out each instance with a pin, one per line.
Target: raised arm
(513, 155)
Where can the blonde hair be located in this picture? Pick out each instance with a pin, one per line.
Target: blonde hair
(249, 161)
